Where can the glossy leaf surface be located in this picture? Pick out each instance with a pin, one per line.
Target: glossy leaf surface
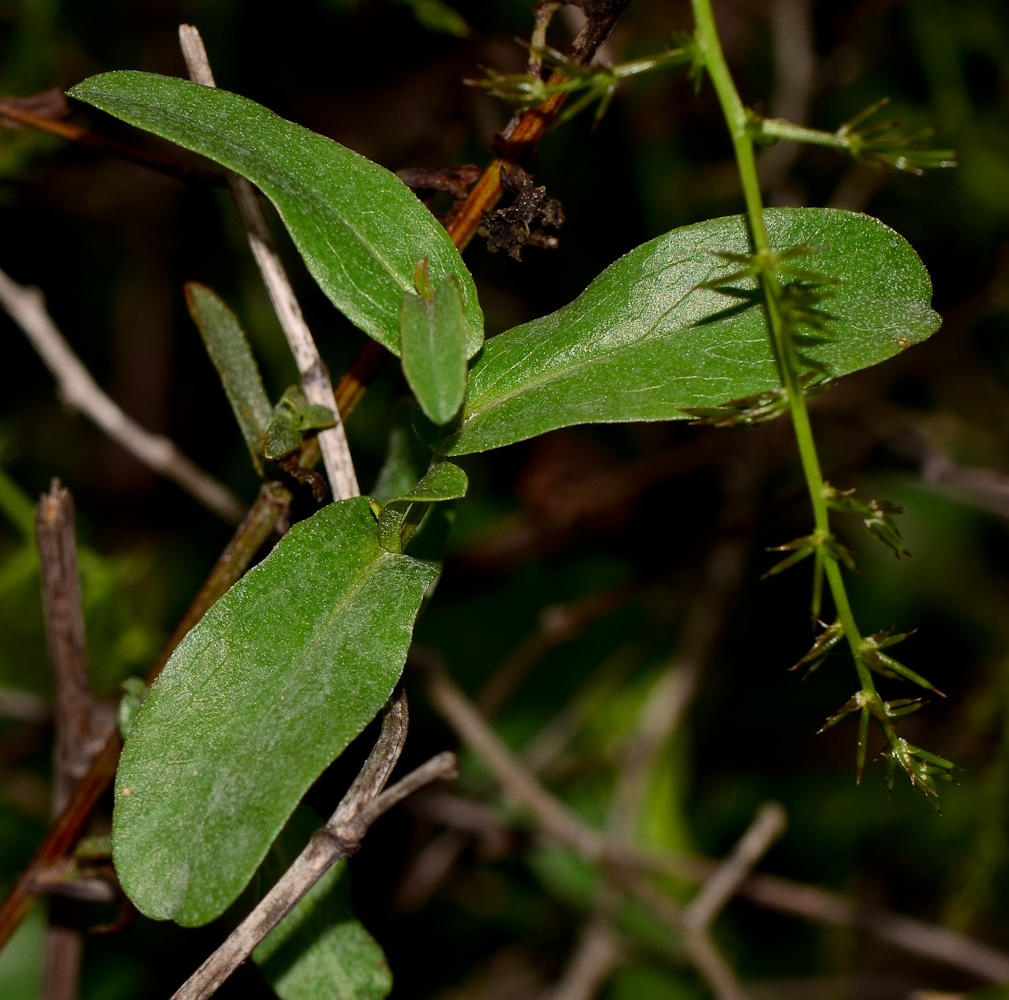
(270, 687)
(644, 342)
(359, 228)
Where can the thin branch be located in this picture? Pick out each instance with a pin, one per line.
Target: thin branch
(929, 941)
(73, 712)
(676, 689)
(767, 826)
(517, 781)
(269, 508)
(23, 706)
(596, 954)
(523, 134)
(73, 133)
(630, 864)
(558, 623)
(76, 387)
(64, 612)
(314, 376)
(340, 838)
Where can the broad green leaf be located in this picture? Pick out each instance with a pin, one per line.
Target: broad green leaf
(270, 687)
(232, 357)
(320, 951)
(644, 342)
(442, 481)
(359, 228)
(433, 345)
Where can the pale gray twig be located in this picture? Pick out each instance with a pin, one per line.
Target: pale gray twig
(314, 377)
(597, 952)
(929, 941)
(76, 387)
(629, 862)
(767, 826)
(515, 778)
(23, 706)
(364, 802)
(558, 822)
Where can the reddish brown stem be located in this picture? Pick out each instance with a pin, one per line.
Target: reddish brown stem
(74, 133)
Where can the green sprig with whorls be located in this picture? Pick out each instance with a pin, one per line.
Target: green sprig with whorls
(792, 302)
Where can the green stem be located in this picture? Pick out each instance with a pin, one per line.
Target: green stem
(777, 128)
(737, 119)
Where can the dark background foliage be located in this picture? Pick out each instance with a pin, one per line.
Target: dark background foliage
(627, 511)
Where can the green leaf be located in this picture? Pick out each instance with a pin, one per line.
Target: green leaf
(442, 481)
(405, 456)
(433, 343)
(291, 417)
(644, 342)
(320, 951)
(435, 15)
(270, 687)
(232, 357)
(359, 228)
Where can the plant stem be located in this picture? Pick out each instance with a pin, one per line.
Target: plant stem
(784, 350)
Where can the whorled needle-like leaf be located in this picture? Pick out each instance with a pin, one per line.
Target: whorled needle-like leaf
(877, 516)
(759, 408)
(822, 645)
(920, 766)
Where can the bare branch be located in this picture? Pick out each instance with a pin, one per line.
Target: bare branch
(929, 941)
(61, 587)
(314, 376)
(339, 838)
(76, 387)
(597, 952)
(767, 826)
(517, 781)
(629, 863)
(73, 712)
(23, 706)
(263, 517)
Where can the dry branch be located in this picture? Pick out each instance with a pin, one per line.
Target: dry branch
(630, 864)
(76, 387)
(364, 803)
(314, 376)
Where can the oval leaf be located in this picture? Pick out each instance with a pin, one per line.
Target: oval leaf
(360, 229)
(433, 341)
(269, 688)
(644, 342)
